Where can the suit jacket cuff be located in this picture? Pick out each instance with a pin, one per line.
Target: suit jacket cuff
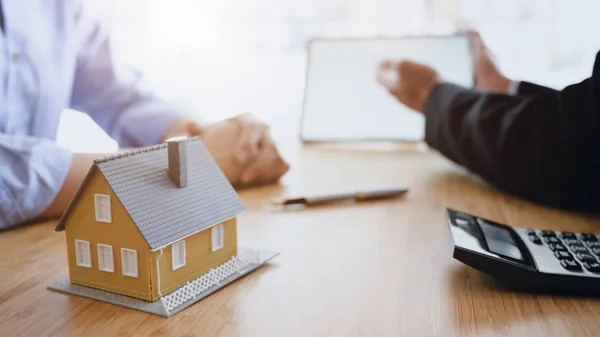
(437, 110)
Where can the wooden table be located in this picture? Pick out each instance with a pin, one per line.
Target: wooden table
(371, 269)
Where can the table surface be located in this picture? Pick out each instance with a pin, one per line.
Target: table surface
(371, 269)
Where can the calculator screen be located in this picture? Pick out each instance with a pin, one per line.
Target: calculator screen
(500, 241)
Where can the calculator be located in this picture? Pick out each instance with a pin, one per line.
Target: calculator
(531, 259)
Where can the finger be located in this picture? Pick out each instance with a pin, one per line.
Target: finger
(281, 168)
(267, 167)
(276, 171)
(473, 34)
(278, 168)
(263, 162)
(265, 158)
(196, 129)
(387, 74)
(250, 134)
(479, 47)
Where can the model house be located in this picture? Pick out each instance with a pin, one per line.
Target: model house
(147, 222)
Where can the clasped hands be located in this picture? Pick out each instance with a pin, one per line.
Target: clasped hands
(242, 147)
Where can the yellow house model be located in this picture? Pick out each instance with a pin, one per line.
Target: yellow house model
(147, 222)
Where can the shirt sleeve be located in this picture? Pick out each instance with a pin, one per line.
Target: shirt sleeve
(114, 95)
(513, 88)
(32, 172)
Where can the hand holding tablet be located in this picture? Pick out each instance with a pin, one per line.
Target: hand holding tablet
(413, 83)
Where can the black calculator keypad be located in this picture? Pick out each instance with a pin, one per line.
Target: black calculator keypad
(557, 246)
(596, 251)
(547, 233)
(588, 237)
(568, 235)
(579, 249)
(592, 244)
(578, 246)
(569, 242)
(535, 239)
(570, 264)
(552, 239)
(561, 255)
(584, 257)
(594, 267)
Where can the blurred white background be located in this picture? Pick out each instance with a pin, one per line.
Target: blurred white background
(218, 58)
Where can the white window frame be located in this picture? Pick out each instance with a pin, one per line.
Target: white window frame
(126, 266)
(217, 237)
(83, 258)
(110, 268)
(99, 199)
(178, 255)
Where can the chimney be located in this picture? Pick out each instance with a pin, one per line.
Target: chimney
(177, 152)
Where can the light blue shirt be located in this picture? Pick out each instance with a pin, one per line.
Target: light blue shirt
(54, 56)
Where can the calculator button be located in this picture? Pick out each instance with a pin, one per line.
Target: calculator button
(592, 244)
(588, 237)
(571, 265)
(552, 240)
(585, 257)
(579, 249)
(530, 231)
(596, 251)
(570, 242)
(547, 233)
(577, 245)
(568, 235)
(556, 246)
(594, 267)
(535, 239)
(561, 255)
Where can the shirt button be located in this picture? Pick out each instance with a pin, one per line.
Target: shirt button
(15, 56)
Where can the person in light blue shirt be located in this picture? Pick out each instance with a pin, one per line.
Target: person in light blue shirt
(53, 56)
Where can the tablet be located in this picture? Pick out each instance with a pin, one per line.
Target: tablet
(343, 100)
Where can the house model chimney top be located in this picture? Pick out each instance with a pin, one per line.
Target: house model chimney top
(177, 152)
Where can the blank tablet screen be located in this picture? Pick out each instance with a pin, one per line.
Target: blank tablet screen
(344, 101)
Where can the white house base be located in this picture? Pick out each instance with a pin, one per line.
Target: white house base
(245, 262)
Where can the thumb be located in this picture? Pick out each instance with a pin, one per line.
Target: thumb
(387, 74)
(249, 137)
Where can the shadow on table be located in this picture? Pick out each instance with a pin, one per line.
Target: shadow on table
(482, 304)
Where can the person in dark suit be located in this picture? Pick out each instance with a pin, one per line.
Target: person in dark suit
(535, 142)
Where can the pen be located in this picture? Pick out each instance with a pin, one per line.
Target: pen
(368, 194)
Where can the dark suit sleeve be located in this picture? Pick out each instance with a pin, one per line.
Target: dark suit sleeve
(544, 147)
(532, 89)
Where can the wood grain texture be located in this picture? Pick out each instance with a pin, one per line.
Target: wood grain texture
(372, 269)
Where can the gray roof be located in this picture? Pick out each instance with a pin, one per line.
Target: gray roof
(163, 212)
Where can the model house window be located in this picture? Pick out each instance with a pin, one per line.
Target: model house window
(129, 262)
(102, 203)
(105, 258)
(178, 254)
(82, 253)
(217, 237)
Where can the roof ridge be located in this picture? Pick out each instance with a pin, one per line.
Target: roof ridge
(138, 151)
